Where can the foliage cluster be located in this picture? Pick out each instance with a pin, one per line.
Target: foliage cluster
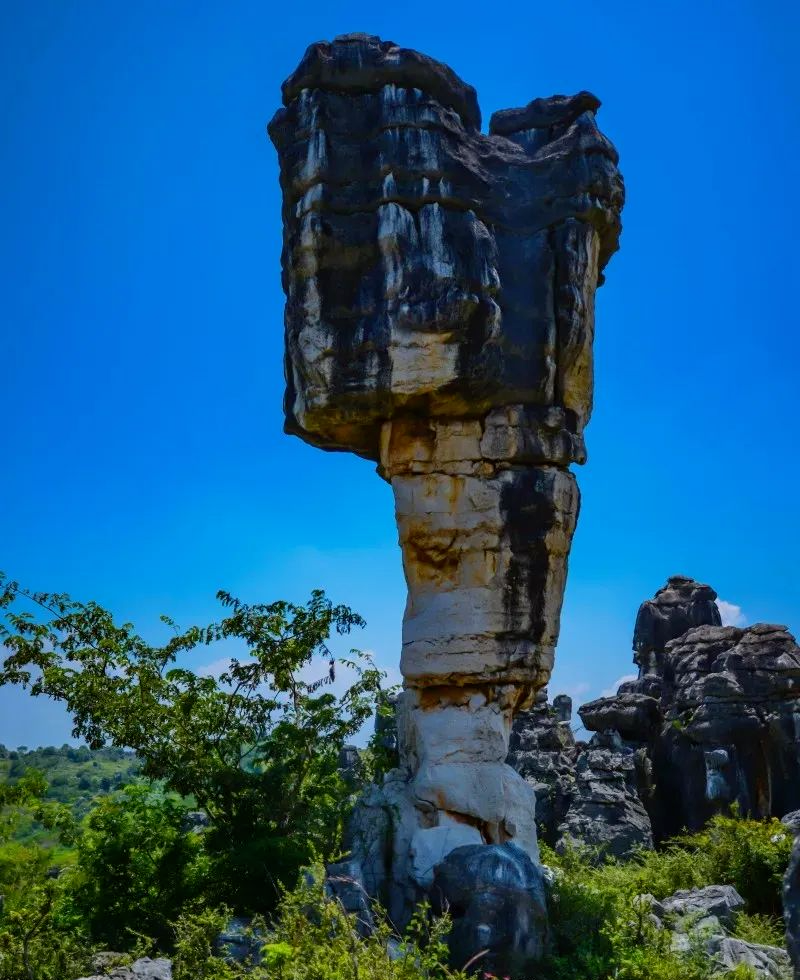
(74, 776)
(601, 930)
(257, 747)
(313, 938)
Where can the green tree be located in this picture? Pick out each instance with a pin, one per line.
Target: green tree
(257, 747)
(38, 941)
(136, 867)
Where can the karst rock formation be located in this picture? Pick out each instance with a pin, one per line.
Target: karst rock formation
(439, 320)
(716, 709)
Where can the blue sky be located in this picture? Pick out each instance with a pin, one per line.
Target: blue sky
(141, 313)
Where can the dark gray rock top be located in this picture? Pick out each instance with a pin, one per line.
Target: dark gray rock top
(677, 607)
(429, 268)
(631, 714)
(357, 63)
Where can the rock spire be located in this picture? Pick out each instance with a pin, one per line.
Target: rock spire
(439, 320)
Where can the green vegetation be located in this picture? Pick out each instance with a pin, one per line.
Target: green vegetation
(312, 938)
(601, 930)
(74, 776)
(257, 748)
(96, 851)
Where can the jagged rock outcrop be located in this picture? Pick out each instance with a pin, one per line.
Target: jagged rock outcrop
(542, 750)
(677, 607)
(604, 810)
(585, 794)
(439, 320)
(716, 708)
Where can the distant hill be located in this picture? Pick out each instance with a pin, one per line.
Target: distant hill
(74, 774)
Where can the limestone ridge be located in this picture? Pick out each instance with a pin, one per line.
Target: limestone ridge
(439, 320)
(713, 719)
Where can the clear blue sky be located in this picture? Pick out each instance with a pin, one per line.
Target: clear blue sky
(141, 314)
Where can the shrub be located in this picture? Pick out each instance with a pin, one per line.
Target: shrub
(256, 747)
(600, 930)
(136, 867)
(767, 930)
(313, 938)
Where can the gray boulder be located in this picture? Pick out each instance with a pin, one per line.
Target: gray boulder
(703, 916)
(143, 969)
(344, 881)
(496, 897)
(196, 821)
(791, 821)
(239, 942)
(768, 962)
(720, 902)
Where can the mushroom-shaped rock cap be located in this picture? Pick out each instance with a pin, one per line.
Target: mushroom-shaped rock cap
(431, 270)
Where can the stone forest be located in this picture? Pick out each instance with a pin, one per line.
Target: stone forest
(439, 322)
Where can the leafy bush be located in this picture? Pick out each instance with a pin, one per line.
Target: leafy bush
(767, 930)
(313, 938)
(136, 868)
(600, 930)
(257, 747)
(39, 940)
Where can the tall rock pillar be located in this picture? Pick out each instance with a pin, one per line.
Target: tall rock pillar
(439, 320)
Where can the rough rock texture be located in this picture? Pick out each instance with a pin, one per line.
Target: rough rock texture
(679, 606)
(716, 708)
(439, 320)
(704, 916)
(144, 969)
(791, 907)
(605, 812)
(698, 905)
(542, 749)
(496, 896)
(768, 962)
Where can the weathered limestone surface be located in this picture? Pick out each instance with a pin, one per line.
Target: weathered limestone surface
(605, 811)
(143, 969)
(543, 751)
(716, 708)
(439, 320)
